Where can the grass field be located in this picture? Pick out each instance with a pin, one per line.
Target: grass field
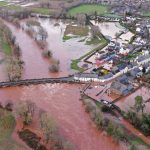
(3, 3)
(5, 45)
(14, 7)
(43, 11)
(146, 13)
(77, 30)
(88, 9)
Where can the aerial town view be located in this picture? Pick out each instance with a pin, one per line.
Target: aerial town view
(74, 74)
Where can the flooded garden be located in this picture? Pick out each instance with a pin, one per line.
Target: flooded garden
(128, 103)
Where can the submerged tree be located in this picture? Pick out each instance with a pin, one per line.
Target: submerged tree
(47, 53)
(25, 110)
(48, 126)
(95, 31)
(54, 67)
(139, 104)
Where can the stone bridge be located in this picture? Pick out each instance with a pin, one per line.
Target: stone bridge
(27, 82)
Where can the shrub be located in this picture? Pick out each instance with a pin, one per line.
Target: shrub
(48, 126)
(32, 22)
(14, 69)
(42, 44)
(110, 128)
(31, 139)
(89, 106)
(98, 119)
(47, 54)
(16, 22)
(9, 106)
(25, 110)
(54, 68)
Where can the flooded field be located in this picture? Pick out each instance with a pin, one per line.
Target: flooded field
(128, 102)
(35, 66)
(113, 29)
(65, 51)
(109, 29)
(62, 101)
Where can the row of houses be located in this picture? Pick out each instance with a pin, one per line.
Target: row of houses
(120, 88)
(134, 68)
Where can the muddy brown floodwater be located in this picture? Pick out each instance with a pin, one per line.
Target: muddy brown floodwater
(62, 102)
(34, 64)
(67, 50)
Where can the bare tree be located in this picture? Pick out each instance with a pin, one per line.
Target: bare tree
(43, 34)
(54, 67)
(81, 19)
(95, 31)
(48, 126)
(25, 110)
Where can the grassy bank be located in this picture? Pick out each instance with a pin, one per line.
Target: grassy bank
(88, 9)
(102, 118)
(3, 3)
(5, 45)
(42, 11)
(7, 125)
(93, 41)
(146, 13)
(74, 64)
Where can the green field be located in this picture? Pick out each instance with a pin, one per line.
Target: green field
(43, 11)
(76, 31)
(3, 3)
(88, 9)
(14, 7)
(146, 13)
(5, 45)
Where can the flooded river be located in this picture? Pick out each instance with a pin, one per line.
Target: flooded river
(35, 66)
(62, 102)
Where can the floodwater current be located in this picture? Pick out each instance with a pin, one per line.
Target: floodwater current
(59, 100)
(62, 102)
